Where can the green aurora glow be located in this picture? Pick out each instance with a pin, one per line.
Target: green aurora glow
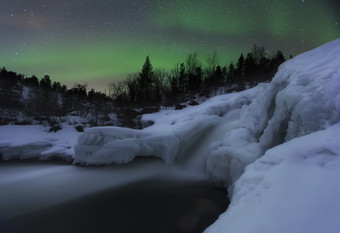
(82, 49)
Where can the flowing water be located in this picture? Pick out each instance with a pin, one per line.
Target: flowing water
(146, 195)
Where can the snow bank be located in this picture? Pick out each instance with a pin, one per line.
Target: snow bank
(293, 188)
(172, 135)
(33, 141)
(302, 98)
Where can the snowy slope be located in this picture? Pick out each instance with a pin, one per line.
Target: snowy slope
(302, 98)
(295, 186)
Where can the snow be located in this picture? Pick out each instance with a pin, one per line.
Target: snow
(34, 141)
(302, 98)
(293, 188)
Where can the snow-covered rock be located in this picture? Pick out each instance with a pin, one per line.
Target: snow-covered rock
(302, 98)
(105, 145)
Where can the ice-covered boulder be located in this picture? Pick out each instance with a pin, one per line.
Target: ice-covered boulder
(302, 98)
(105, 145)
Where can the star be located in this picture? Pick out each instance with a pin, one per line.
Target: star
(107, 40)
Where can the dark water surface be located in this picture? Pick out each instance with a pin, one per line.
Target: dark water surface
(152, 204)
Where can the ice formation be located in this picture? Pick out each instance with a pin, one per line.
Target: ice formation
(302, 98)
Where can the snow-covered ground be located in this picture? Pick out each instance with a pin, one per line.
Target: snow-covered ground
(276, 146)
(34, 141)
(293, 188)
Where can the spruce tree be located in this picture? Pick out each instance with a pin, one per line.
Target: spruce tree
(183, 80)
(231, 75)
(146, 78)
(250, 66)
(240, 67)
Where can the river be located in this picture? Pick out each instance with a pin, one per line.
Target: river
(146, 195)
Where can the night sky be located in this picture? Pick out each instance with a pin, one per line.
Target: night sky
(104, 40)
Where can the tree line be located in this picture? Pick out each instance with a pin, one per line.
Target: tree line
(25, 98)
(156, 86)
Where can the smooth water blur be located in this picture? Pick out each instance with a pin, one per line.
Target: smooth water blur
(144, 196)
(197, 155)
(27, 186)
(30, 186)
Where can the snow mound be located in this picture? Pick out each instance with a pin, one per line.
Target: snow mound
(172, 135)
(302, 98)
(293, 188)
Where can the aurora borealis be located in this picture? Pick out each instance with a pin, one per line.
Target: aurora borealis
(104, 40)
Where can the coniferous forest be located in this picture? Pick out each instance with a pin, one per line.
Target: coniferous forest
(30, 100)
